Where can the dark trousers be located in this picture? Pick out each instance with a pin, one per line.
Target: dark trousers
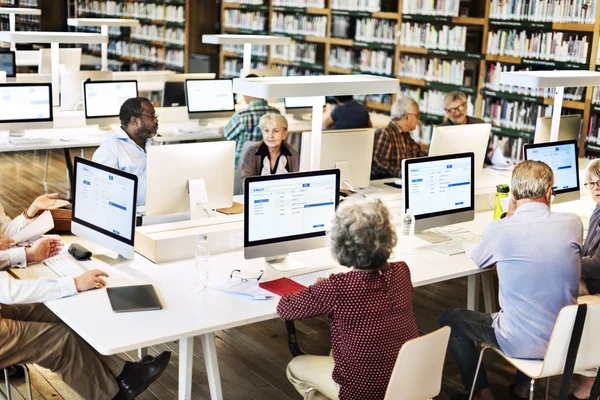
(469, 327)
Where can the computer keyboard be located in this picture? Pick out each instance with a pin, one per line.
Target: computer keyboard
(65, 266)
(26, 140)
(311, 277)
(449, 248)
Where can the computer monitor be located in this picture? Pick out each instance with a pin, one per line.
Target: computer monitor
(461, 139)
(569, 129)
(562, 158)
(71, 86)
(299, 106)
(209, 98)
(104, 206)
(70, 59)
(173, 94)
(350, 151)
(170, 168)
(288, 213)
(8, 63)
(102, 100)
(25, 106)
(439, 191)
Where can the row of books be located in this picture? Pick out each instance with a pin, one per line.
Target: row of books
(157, 11)
(254, 20)
(432, 69)
(598, 55)
(299, 24)
(596, 95)
(232, 67)
(375, 30)
(379, 98)
(448, 8)
(115, 8)
(356, 5)
(288, 70)
(432, 101)
(430, 36)
(512, 114)
(29, 3)
(260, 50)
(423, 132)
(300, 3)
(147, 53)
(296, 51)
(492, 82)
(571, 11)
(593, 134)
(555, 46)
(512, 148)
(252, 2)
(366, 60)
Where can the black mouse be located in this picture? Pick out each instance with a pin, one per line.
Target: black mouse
(79, 252)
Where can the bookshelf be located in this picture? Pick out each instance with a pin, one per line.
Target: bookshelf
(54, 15)
(471, 42)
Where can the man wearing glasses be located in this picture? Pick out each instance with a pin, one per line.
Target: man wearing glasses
(455, 104)
(393, 143)
(126, 148)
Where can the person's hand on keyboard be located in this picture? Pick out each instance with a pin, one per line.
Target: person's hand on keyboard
(91, 280)
(6, 243)
(46, 247)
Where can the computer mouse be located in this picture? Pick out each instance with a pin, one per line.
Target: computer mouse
(398, 182)
(79, 252)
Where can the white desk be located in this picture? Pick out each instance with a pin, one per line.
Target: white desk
(54, 38)
(12, 12)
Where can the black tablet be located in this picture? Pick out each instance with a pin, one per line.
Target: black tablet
(133, 298)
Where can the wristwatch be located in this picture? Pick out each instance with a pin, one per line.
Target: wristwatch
(503, 215)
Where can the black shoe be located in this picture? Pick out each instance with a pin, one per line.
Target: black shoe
(136, 377)
(16, 371)
(512, 395)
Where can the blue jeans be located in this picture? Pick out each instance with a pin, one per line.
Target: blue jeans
(469, 327)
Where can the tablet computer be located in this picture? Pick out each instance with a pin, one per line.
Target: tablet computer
(133, 298)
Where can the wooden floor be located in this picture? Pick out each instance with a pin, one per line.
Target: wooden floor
(252, 358)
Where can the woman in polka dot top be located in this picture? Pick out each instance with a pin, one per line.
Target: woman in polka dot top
(370, 308)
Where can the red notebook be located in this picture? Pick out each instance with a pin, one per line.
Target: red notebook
(282, 286)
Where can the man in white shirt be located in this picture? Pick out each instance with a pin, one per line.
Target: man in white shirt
(31, 333)
(126, 148)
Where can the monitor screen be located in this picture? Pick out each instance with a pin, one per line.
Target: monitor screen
(436, 186)
(30, 102)
(300, 102)
(562, 158)
(105, 200)
(7, 63)
(104, 98)
(209, 95)
(289, 206)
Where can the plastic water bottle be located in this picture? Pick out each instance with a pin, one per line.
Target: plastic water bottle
(408, 223)
(201, 266)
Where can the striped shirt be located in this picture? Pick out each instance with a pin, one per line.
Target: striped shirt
(243, 126)
(120, 152)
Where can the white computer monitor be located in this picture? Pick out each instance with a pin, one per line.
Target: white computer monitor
(439, 191)
(299, 106)
(8, 63)
(350, 151)
(562, 158)
(170, 168)
(25, 106)
(288, 213)
(102, 100)
(462, 139)
(209, 98)
(173, 94)
(70, 59)
(569, 128)
(104, 208)
(71, 86)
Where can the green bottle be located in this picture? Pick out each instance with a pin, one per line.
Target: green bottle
(502, 191)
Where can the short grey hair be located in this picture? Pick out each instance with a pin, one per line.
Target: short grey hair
(453, 96)
(531, 179)
(593, 169)
(362, 235)
(402, 106)
(271, 118)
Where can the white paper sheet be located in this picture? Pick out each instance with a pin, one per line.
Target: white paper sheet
(42, 224)
(249, 289)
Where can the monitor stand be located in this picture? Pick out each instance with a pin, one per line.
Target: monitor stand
(110, 259)
(284, 263)
(105, 127)
(16, 133)
(432, 237)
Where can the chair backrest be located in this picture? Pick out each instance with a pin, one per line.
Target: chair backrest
(588, 355)
(417, 374)
(70, 58)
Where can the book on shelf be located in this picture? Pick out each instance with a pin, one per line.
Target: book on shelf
(240, 19)
(511, 147)
(249, 2)
(454, 72)
(259, 50)
(365, 60)
(593, 133)
(296, 51)
(446, 8)
(356, 5)
(299, 24)
(375, 30)
(442, 37)
(300, 3)
(511, 114)
(573, 11)
(233, 67)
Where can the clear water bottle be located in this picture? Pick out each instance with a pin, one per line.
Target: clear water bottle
(408, 223)
(201, 266)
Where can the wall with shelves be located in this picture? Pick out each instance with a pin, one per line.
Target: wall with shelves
(53, 13)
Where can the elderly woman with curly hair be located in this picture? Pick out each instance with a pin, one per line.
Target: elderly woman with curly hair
(370, 308)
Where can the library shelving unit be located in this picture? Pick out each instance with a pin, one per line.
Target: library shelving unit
(54, 14)
(455, 45)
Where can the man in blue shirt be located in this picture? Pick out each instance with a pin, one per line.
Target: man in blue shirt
(126, 148)
(537, 254)
(347, 114)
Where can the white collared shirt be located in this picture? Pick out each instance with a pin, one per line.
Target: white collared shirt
(119, 151)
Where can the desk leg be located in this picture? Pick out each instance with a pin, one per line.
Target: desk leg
(142, 352)
(186, 359)
(212, 366)
(473, 292)
(489, 294)
(70, 172)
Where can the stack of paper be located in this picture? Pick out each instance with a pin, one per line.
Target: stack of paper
(249, 289)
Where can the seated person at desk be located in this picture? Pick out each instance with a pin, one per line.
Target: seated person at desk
(31, 333)
(272, 155)
(455, 104)
(126, 148)
(370, 308)
(347, 114)
(393, 143)
(529, 243)
(243, 125)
